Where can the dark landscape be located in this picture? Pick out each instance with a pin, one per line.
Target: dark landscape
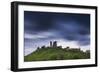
(56, 36)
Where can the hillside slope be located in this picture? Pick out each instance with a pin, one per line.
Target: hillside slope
(45, 54)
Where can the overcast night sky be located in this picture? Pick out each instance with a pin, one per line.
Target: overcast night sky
(71, 30)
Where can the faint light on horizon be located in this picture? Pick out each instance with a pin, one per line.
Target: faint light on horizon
(60, 42)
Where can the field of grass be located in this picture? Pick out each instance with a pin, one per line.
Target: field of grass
(46, 54)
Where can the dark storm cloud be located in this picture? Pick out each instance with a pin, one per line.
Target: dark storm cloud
(72, 27)
(39, 21)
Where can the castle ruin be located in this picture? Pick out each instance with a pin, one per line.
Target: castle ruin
(53, 44)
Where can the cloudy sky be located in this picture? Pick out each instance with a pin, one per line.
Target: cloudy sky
(67, 29)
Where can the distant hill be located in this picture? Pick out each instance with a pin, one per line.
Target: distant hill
(57, 53)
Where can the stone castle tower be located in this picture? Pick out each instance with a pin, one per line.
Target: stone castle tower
(53, 44)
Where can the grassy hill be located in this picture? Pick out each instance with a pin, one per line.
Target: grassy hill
(45, 54)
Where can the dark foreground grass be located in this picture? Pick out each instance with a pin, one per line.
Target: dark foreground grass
(45, 54)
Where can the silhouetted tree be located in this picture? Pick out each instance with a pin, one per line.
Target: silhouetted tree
(43, 46)
(87, 51)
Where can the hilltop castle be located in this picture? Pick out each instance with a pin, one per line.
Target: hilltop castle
(53, 44)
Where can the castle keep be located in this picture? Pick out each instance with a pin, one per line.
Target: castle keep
(53, 44)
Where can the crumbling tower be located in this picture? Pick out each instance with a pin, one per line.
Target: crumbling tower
(55, 44)
(50, 43)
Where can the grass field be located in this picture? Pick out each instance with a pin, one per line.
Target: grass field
(45, 54)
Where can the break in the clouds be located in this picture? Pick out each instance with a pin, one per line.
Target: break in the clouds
(68, 29)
